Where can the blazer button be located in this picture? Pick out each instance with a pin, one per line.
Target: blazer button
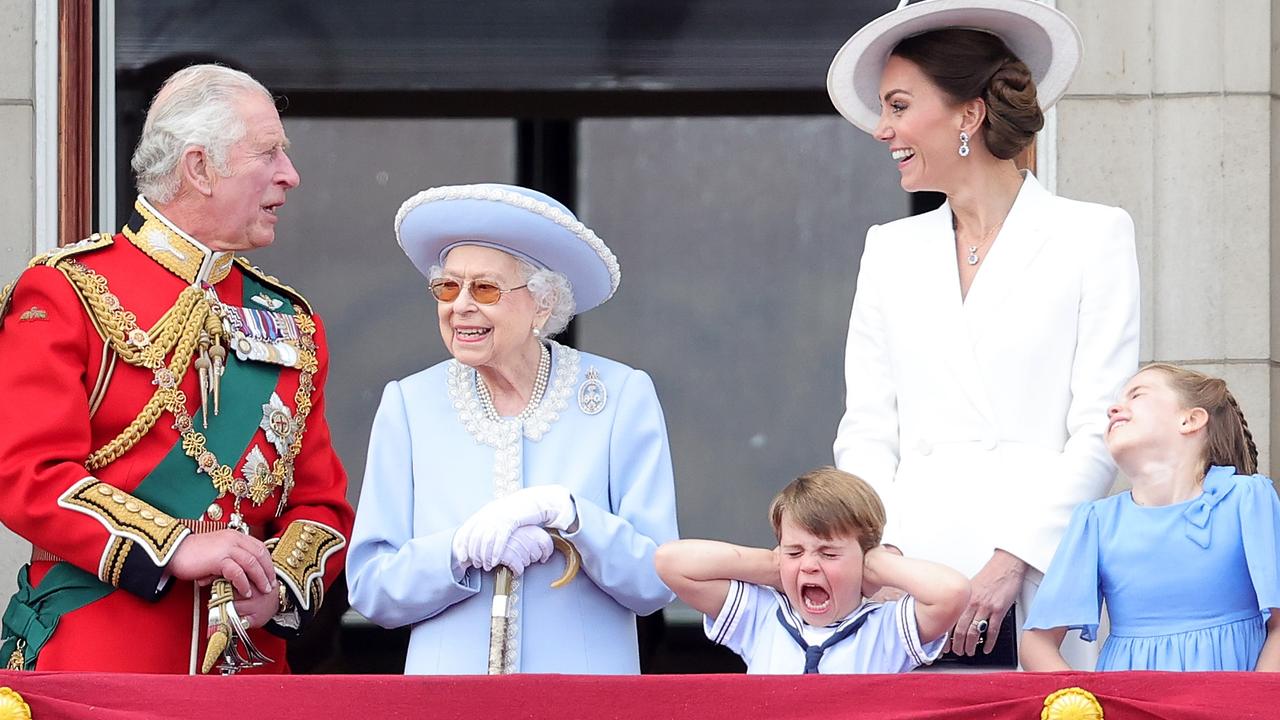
(923, 447)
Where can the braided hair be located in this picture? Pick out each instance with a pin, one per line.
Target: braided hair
(1228, 438)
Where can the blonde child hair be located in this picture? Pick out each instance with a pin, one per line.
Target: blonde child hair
(1228, 439)
(829, 502)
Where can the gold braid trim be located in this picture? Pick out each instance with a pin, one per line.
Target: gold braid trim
(52, 258)
(129, 520)
(274, 282)
(135, 347)
(117, 551)
(143, 348)
(299, 556)
(282, 468)
(179, 331)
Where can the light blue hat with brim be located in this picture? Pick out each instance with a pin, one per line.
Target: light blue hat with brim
(526, 223)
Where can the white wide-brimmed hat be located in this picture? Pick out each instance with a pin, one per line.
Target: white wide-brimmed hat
(1041, 36)
(526, 223)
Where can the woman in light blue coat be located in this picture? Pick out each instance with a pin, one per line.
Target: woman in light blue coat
(473, 461)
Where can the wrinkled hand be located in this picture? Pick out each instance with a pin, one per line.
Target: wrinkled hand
(994, 589)
(256, 609)
(527, 545)
(230, 554)
(480, 540)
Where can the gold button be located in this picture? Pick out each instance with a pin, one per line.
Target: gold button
(162, 521)
(104, 489)
(292, 562)
(132, 506)
(301, 544)
(118, 499)
(214, 512)
(147, 515)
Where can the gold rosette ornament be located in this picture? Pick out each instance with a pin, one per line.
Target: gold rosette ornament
(1071, 704)
(12, 706)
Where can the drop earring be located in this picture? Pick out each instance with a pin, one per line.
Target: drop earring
(964, 144)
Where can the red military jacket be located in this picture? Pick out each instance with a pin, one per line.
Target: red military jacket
(77, 440)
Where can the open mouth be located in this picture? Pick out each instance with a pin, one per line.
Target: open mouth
(1117, 423)
(816, 598)
(271, 209)
(903, 154)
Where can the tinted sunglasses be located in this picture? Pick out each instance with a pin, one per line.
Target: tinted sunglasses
(484, 292)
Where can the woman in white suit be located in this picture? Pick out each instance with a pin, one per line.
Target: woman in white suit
(988, 336)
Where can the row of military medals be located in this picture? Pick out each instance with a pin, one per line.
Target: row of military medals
(229, 644)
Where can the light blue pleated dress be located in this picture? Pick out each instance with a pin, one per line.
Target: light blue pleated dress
(1187, 586)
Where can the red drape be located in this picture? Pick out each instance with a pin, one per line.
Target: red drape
(1020, 696)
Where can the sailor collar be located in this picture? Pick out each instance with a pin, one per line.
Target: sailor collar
(176, 251)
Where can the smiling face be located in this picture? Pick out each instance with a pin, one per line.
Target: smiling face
(487, 335)
(821, 576)
(921, 126)
(245, 201)
(1149, 419)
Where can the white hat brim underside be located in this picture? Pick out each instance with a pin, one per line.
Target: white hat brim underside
(1041, 36)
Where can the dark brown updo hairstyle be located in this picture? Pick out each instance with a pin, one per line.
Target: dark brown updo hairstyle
(969, 64)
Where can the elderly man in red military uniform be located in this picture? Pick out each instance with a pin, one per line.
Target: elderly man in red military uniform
(162, 436)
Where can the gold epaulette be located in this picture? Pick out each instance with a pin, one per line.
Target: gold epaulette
(52, 258)
(275, 284)
(6, 294)
(96, 241)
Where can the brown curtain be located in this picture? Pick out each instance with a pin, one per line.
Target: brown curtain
(75, 120)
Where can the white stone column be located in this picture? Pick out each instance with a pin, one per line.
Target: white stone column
(1171, 117)
(17, 191)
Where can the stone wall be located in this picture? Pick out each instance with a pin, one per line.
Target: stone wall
(1171, 118)
(17, 189)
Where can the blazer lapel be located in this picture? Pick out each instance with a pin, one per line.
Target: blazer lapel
(1019, 242)
(942, 284)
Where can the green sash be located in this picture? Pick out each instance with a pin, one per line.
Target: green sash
(33, 613)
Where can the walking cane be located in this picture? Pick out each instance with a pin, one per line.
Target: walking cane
(501, 618)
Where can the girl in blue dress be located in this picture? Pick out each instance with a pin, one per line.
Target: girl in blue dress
(1186, 561)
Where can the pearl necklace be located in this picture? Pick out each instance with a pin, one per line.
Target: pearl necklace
(539, 388)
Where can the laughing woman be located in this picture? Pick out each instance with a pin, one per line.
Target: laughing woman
(988, 336)
(474, 462)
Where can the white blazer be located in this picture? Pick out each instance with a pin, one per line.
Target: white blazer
(980, 421)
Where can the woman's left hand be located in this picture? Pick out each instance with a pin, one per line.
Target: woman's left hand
(994, 589)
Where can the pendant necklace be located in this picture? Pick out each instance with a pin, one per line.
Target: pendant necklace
(973, 258)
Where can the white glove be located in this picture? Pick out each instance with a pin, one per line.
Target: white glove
(529, 544)
(482, 538)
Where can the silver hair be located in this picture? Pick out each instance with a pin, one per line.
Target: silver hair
(551, 290)
(195, 106)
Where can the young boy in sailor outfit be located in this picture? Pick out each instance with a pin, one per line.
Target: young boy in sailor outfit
(799, 608)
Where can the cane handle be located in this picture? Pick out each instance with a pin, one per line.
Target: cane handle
(572, 559)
